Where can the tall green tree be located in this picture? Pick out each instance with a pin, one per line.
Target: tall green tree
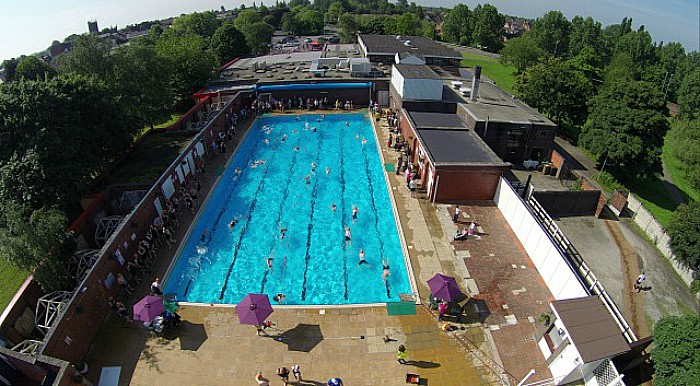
(191, 63)
(61, 132)
(551, 33)
(348, 27)
(203, 24)
(584, 33)
(33, 68)
(689, 95)
(675, 352)
(406, 24)
(246, 18)
(90, 56)
(457, 25)
(309, 22)
(488, 27)
(556, 87)
(229, 43)
(9, 67)
(37, 240)
(684, 138)
(628, 124)
(521, 52)
(683, 232)
(258, 36)
(639, 46)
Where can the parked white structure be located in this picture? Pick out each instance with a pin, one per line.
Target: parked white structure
(416, 82)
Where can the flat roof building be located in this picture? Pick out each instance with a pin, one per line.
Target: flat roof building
(384, 48)
(453, 163)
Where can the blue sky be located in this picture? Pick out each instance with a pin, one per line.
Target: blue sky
(28, 26)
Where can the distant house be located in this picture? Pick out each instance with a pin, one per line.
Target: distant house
(384, 48)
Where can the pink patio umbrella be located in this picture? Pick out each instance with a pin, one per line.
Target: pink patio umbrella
(148, 308)
(254, 309)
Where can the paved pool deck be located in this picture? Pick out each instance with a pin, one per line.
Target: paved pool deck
(212, 348)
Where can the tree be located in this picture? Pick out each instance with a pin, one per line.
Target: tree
(89, 56)
(627, 123)
(37, 240)
(675, 352)
(348, 27)
(190, 62)
(689, 95)
(457, 24)
(551, 33)
(258, 36)
(588, 62)
(557, 88)
(73, 130)
(488, 27)
(33, 68)
(245, 19)
(584, 33)
(229, 43)
(683, 231)
(203, 24)
(672, 58)
(406, 24)
(309, 22)
(335, 10)
(638, 45)
(521, 52)
(377, 25)
(9, 67)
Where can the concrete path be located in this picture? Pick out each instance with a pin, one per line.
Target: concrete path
(676, 194)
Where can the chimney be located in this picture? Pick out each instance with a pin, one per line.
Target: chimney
(475, 84)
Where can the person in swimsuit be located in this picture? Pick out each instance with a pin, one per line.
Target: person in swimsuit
(268, 261)
(362, 258)
(385, 269)
(328, 171)
(334, 207)
(354, 213)
(283, 233)
(348, 237)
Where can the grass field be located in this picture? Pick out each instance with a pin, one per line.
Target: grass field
(503, 75)
(675, 169)
(11, 278)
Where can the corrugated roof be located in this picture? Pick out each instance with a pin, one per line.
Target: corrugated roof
(381, 44)
(591, 328)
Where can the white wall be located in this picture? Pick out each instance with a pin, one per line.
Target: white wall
(397, 80)
(556, 273)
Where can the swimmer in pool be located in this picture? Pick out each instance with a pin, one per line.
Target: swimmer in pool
(204, 237)
(357, 136)
(348, 237)
(294, 131)
(268, 261)
(362, 258)
(279, 298)
(232, 224)
(296, 148)
(328, 171)
(283, 233)
(354, 213)
(385, 269)
(267, 141)
(307, 179)
(284, 138)
(313, 167)
(347, 123)
(364, 141)
(334, 207)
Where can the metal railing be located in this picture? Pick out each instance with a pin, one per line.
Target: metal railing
(586, 276)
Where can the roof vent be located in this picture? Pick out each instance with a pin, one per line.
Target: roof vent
(407, 43)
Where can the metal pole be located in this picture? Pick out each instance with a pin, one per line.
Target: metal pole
(526, 378)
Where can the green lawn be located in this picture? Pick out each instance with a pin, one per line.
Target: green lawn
(677, 173)
(503, 75)
(11, 278)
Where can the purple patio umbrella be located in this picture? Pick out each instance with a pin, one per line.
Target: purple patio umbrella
(254, 309)
(148, 308)
(444, 287)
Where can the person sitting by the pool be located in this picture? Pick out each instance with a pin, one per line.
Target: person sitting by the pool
(279, 298)
(472, 228)
(385, 269)
(348, 236)
(462, 235)
(362, 258)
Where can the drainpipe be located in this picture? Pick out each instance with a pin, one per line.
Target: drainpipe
(435, 189)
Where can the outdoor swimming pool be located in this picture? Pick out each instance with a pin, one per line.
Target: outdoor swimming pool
(312, 264)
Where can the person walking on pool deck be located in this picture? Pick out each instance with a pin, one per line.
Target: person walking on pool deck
(402, 354)
(262, 381)
(639, 281)
(296, 371)
(458, 211)
(283, 373)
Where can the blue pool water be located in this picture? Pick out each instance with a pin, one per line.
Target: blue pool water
(312, 264)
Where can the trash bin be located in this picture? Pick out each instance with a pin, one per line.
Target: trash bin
(546, 170)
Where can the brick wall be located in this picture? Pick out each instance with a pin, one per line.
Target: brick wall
(23, 303)
(467, 183)
(587, 185)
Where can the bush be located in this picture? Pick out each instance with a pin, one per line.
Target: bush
(675, 355)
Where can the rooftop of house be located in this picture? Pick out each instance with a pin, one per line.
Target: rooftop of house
(448, 141)
(416, 71)
(591, 328)
(416, 45)
(494, 104)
